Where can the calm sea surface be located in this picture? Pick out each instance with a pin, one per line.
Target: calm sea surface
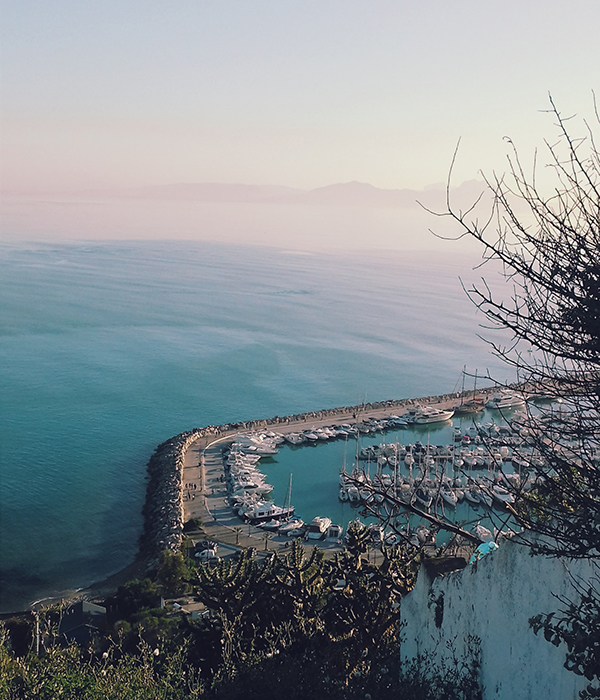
(107, 349)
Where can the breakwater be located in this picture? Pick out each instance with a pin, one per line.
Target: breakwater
(163, 509)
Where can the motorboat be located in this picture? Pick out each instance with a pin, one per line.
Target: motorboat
(505, 400)
(429, 414)
(268, 511)
(271, 525)
(293, 524)
(448, 495)
(294, 438)
(317, 528)
(502, 495)
(485, 498)
(472, 496)
(482, 533)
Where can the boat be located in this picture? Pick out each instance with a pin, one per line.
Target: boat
(448, 495)
(482, 533)
(472, 496)
(474, 405)
(293, 524)
(271, 525)
(422, 496)
(469, 408)
(318, 527)
(502, 495)
(353, 494)
(429, 414)
(485, 498)
(294, 438)
(262, 512)
(505, 400)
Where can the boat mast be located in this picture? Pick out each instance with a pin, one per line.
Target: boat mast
(288, 498)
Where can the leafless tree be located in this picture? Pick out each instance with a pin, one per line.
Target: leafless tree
(548, 245)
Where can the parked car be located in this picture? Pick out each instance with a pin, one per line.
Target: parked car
(207, 555)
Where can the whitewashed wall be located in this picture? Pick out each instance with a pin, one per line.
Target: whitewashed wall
(494, 601)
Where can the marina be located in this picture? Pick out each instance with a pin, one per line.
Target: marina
(405, 466)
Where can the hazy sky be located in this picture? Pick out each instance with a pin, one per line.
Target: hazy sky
(291, 92)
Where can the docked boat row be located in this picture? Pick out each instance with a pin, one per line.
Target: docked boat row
(426, 491)
(248, 491)
(246, 484)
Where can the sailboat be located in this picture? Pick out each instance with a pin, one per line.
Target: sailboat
(468, 408)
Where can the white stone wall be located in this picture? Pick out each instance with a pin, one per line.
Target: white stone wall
(494, 601)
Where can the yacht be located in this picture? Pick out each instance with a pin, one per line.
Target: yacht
(294, 524)
(268, 511)
(422, 496)
(429, 414)
(318, 528)
(504, 401)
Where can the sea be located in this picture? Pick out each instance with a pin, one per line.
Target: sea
(109, 348)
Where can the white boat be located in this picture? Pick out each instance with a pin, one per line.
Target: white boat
(482, 533)
(501, 495)
(294, 438)
(448, 495)
(485, 498)
(422, 496)
(318, 528)
(270, 525)
(429, 414)
(268, 511)
(296, 532)
(472, 496)
(505, 400)
(424, 534)
(353, 494)
(293, 524)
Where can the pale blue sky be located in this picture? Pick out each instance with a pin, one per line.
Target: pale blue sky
(289, 92)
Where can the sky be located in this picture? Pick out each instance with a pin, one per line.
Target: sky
(299, 93)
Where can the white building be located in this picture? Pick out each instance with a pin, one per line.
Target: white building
(492, 601)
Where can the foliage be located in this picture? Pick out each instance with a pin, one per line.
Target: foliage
(71, 673)
(294, 625)
(192, 525)
(134, 596)
(172, 574)
(549, 250)
(578, 626)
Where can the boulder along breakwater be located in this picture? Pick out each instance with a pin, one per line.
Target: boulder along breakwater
(164, 505)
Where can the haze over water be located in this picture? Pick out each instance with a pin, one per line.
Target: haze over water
(107, 349)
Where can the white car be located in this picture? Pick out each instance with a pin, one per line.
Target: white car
(207, 555)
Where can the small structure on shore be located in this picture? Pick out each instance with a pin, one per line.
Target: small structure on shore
(82, 621)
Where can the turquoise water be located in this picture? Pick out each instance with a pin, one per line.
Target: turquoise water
(315, 469)
(108, 349)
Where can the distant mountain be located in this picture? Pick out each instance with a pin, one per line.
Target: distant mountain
(202, 192)
(347, 194)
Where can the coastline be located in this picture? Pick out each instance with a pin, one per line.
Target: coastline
(181, 460)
